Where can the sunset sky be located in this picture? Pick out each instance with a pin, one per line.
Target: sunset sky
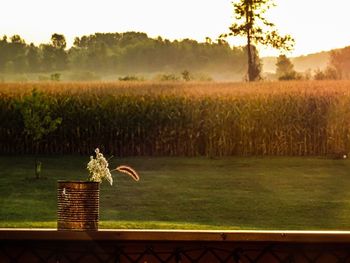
(315, 24)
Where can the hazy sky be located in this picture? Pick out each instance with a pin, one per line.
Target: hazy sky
(315, 24)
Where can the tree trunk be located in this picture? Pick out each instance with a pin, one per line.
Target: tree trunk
(250, 60)
(37, 165)
(37, 168)
(249, 45)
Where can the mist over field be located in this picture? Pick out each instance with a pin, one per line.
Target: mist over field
(301, 63)
(119, 55)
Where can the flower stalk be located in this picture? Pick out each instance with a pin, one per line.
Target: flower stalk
(99, 170)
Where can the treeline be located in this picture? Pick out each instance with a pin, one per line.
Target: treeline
(119, 53)
(16, 56)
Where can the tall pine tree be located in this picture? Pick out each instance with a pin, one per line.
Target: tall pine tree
(251, 23)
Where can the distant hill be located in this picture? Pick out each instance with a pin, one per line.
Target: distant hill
(303, 63)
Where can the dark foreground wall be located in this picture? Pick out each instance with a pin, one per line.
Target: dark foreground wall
(173, 246)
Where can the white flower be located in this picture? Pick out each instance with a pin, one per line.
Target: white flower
(98, 168)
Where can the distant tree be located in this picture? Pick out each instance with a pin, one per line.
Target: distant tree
(329, 73)
(208, 40)
(285, 68)
(17, 53)
(186, 76)
(33, 58)
(253, 25)
(168, 77)
(131, 38)
(319, 75)
(16, 39)
(97, 57)
(4, 56)
(58, 42)
(54, 56)
(55, 76)
(340, 61)
(48, 59)
(222, 42)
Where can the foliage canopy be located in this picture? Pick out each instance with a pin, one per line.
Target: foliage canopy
(251, 23)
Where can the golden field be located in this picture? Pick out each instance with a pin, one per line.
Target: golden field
(295, 118)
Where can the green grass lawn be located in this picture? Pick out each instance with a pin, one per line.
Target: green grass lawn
(189, 193)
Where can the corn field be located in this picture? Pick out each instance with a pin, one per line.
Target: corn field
(184, 119)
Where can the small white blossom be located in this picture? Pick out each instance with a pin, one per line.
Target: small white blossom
(98, 168)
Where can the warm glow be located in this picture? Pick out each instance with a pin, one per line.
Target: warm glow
(315, 24)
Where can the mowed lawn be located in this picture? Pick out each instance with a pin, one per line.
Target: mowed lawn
(189, 193)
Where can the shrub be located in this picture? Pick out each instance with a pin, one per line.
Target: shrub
(130, 78)
(55, 77)
(168, 77)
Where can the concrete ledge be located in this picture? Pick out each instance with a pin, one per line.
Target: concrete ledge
(177, 235)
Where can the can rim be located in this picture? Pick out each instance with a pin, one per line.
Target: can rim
(79, 182)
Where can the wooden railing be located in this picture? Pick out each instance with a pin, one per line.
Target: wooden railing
(48, 245)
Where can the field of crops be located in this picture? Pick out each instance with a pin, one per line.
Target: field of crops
(184, 119)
